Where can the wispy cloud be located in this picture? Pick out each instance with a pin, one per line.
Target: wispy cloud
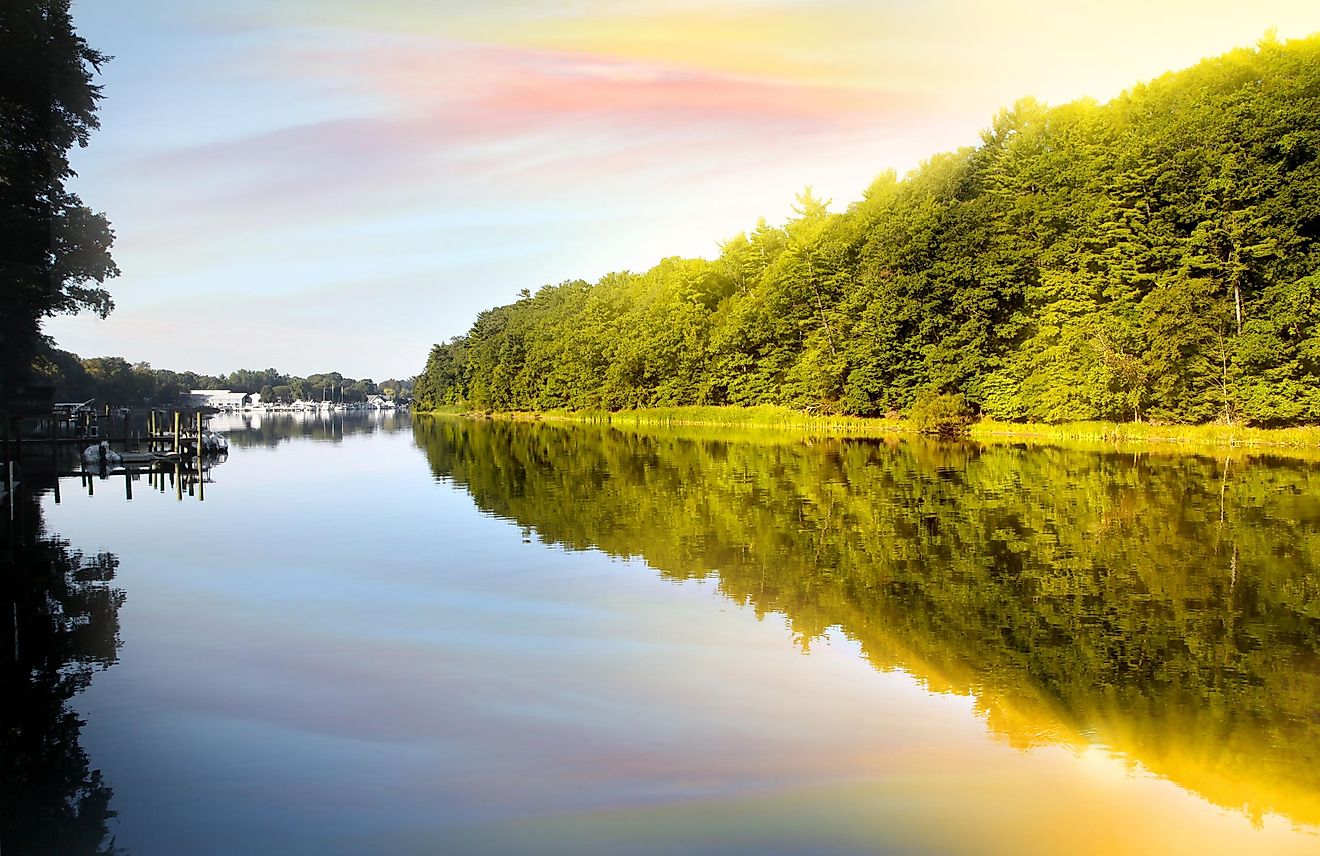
(447, 154)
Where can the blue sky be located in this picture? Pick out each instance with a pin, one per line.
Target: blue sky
(336, 186)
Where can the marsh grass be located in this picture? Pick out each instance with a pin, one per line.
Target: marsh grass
(1099, 434)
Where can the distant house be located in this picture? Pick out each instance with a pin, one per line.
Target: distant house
(69, 410)
(222, 399)
(377, 400)
(79, 417)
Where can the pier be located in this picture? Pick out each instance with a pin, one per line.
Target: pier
(161, 432)
(43, 443)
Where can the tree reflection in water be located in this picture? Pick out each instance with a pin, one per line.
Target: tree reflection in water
(1164, 607)
(59, 625)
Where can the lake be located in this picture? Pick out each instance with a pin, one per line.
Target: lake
(438, 635)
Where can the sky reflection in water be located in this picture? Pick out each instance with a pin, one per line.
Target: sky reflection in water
(495, 637)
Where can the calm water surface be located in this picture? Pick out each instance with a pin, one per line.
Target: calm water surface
(446, 636)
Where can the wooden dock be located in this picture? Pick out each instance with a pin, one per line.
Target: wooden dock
(165, 446)
(165, 432)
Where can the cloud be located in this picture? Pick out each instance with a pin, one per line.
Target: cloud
(444, 155)
(466, 136)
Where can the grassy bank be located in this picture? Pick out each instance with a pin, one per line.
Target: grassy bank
(764, 416)
(783, 418)
(1307, 437)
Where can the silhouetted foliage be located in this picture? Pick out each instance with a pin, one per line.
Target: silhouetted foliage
(54, 250)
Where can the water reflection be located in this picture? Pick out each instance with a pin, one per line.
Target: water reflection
(59, 625)
(1165, 608)
(254, 428)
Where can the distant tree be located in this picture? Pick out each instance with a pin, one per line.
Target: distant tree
(54, 250)
(64, 371)
(114, 379)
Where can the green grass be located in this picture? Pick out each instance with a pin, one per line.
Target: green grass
(1144, 432)
(1097, 434)
(764, 416)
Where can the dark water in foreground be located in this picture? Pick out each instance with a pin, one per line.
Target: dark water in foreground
(450, 637)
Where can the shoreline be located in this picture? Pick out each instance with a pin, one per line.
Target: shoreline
(1294, 440)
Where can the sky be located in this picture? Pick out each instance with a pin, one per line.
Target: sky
(332, 185)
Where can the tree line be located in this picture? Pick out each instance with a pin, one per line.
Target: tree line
(114, 380)
(1156, 257)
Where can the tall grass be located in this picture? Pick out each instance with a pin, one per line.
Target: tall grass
(1143, 432)
(784, 418)
(761, 416)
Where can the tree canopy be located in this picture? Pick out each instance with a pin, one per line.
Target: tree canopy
(54, 250)
(1155, 257)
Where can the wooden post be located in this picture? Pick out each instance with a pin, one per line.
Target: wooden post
(200, 494)
(128, 485)
(14, 440)
(176, 434)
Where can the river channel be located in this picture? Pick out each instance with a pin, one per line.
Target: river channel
(440, 635)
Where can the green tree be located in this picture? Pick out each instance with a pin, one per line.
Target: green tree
(1148, 258)
(54, 250)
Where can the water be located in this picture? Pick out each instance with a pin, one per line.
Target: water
(491, 637)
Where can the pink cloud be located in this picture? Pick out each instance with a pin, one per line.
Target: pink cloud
(494, 89)
(450, 112)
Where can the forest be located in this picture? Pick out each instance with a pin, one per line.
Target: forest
(1152, 258)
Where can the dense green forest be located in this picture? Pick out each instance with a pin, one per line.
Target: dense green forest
(1156, 257)
(114, 380)
(1167, 608)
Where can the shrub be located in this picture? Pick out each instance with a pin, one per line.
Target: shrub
(944, 415)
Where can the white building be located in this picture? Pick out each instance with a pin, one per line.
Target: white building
(222, 399)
